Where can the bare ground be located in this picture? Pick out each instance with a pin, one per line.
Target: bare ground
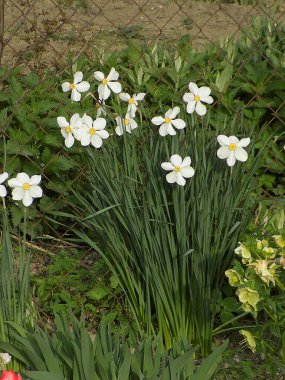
(39, 33)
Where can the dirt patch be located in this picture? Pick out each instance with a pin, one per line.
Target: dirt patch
(39, 33)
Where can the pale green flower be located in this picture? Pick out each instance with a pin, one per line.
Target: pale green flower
(249, 339)
(244, 253)
(266, 275)
(279, 240)
(233, 276)
(249, 298)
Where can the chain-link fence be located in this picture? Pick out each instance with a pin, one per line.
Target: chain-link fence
(38, 35)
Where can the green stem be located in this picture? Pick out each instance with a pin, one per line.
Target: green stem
(233, 328)
(215, 331)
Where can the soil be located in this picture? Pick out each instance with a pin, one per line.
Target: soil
(39, 33)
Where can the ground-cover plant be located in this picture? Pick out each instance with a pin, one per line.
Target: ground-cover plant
(70, 352)
(258, 275)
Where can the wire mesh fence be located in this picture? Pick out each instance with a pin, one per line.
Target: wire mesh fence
(36, 36)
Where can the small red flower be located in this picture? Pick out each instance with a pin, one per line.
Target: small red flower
(10, 375)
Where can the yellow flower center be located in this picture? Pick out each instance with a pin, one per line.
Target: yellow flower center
(177, 169)
(197, 98)
(104, 81)
(92, 131)
(126, 122)
(72, 86)
(68, 129)
(167, 120)
(131, 101)
(232, 146)
(26, 186)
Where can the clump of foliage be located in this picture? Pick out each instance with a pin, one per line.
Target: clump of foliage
(259, 277)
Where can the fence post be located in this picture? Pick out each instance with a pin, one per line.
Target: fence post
(2, 2)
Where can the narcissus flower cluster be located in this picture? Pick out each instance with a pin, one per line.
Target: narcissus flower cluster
(25, 188)
(93, 132)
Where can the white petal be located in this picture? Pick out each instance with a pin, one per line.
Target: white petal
(35, 192)
(240, 154)
(176, 160)
(133, 124)
(187, 171)
(169, 113)
(119, 121)
(191, 106)
(171, 177)
(69, 140)
(83, 86)
(99, 75)
(13, 182)
(87, 120)
(244, 142)
(233, 140)
(207, 99)
(35, 180)
(103, 91)
(223, 152)
(96, 141)
(65, 87)
(174, 112)
(132, 109)
(27, 199)
(23, 178)
(116, 87)
(62, 122)
(186, 162)
(113, 75)
(139, 96)
(75, 95)
(119, 130)
(78, 76)
(193, 88)
(124, 96)
(85, 139)
(179, 123)
(180, 180)
(163, 129)
(200, 109)
(231, 159)
(99, 123)
(158, 120)
(223, 140)
(3, 177)
(170, 130)
(204, 91)
(3, 191)
(103, 134)
(188, 97)
(18, 193)
(167, 166)
(74, 119)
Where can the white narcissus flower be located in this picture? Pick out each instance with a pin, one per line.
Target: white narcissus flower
(168, 122)
(26, 188)
(5, 358)
(180, 169)
(132, 101)
(100, 109)
(3, 191)
(76, 87)
(71, 129)
(127, 124)
(195, 98)
(108, 84)
(93, 132)
(232, 149)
